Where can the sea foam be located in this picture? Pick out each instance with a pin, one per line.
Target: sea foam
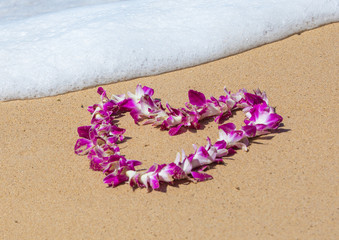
(62, 46)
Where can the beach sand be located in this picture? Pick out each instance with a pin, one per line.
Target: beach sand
(284, 187)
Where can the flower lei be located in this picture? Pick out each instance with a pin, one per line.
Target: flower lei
(99, 140)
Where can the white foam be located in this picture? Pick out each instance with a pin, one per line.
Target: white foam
(70, 45)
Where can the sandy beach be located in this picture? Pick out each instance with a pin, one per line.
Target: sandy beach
(284, 187)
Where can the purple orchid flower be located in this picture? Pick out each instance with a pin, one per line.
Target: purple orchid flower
(263, 118)
(232, 137)
(99, 140)
(116, 169)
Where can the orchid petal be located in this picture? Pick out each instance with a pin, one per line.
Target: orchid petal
(83, 131)
(175, 130)
(249, 131)
(228, 127)
(147, 90)
(115, 180)
(82, 146)
(200, 176)
(196, 98)
(253, 99)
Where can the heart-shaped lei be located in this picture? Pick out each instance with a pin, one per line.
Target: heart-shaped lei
(99, 140)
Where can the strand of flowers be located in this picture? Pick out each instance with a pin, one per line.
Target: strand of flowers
(99, 141)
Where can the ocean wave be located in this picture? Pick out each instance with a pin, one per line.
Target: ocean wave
(56, 48)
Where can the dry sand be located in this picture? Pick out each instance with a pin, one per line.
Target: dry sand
(283, 188)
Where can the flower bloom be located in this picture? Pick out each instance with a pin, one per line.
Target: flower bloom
(99, 141)
(263, 118)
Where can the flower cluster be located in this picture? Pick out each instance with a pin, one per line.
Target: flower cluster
(99, 141)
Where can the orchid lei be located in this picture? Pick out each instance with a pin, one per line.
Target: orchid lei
(99, 141)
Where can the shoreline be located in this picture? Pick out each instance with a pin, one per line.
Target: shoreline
(283, 187)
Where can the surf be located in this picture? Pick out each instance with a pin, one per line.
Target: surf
(53, 49)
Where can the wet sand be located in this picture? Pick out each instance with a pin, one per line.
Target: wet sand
(284, 187)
